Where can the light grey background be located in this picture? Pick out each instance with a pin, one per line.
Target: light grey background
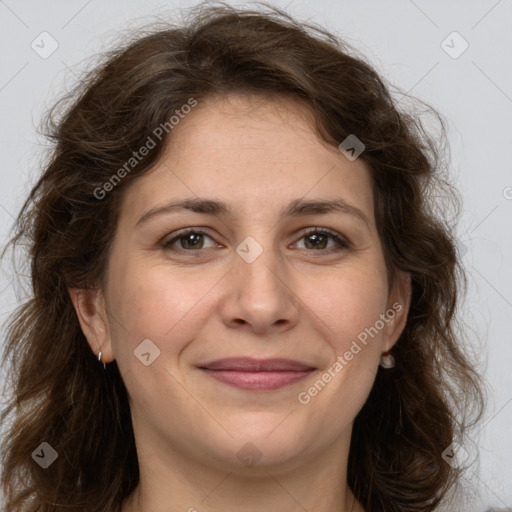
(403, 39)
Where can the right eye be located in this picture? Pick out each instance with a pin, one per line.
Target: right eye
(190, 237)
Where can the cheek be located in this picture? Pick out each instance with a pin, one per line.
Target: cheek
(350, 312)
(351, 306)
(156, 303)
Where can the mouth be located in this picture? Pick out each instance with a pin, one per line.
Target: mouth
(256, 374)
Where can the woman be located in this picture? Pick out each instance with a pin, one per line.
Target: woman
(243, 297)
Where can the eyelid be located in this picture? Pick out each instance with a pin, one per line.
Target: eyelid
(341, 240)
(167, 240)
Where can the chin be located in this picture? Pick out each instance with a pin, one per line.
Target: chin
(267, 443)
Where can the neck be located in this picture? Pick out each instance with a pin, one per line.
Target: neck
(185, 487)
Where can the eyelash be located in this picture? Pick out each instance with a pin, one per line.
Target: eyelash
(341, 241)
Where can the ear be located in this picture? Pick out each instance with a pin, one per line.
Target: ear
(399, 301)
(92, 314)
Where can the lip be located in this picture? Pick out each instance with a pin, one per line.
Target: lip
(257, 374)
(250, 364)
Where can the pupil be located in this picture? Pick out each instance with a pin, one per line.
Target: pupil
(318, 239)
(192, 239)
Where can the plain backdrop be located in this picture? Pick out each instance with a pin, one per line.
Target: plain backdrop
(466, 75)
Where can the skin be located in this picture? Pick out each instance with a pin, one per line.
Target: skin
(295, 300)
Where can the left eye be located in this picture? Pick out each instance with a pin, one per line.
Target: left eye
(319, 237)
(192, 239)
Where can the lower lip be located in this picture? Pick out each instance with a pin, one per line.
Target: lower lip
(257, 381)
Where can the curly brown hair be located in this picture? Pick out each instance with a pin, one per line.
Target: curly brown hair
(58, 391)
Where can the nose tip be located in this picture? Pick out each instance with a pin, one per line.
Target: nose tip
(261, 298)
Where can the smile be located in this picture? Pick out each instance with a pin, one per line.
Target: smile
(257, 380)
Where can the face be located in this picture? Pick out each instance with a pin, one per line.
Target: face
(262, 274)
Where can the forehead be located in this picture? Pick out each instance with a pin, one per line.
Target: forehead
(253, 152)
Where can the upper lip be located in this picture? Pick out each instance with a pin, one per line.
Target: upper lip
(247, 364)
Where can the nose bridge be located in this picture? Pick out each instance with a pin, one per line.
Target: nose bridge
(263, 297)
(257, 264)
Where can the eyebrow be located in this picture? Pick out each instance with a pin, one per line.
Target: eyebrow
(296, 208)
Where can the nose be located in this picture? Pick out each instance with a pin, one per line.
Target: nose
(260, 294)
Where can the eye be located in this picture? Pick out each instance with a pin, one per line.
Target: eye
(189, 239)
(316, 239)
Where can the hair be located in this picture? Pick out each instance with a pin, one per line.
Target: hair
(61, 395)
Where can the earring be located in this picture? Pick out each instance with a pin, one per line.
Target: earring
(99, 359)
(387, 361)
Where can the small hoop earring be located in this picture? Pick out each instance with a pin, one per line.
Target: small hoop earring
(387, 361)
(99, 359)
